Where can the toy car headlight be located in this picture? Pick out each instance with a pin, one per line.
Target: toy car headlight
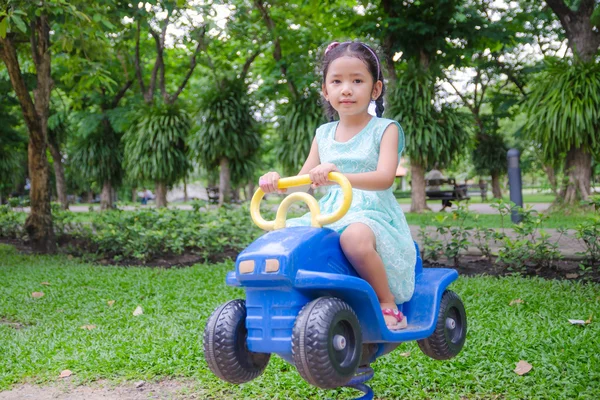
(246, 266)
(272, 265)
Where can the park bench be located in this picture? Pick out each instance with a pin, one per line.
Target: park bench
(212, 193)
(454, 193)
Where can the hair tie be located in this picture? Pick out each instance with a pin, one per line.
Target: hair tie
(331, 46)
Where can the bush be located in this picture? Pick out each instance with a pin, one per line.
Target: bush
(11, 223)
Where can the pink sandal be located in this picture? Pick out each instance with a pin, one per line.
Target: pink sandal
(400, 319)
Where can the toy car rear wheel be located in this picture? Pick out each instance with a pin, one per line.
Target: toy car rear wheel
(327, 342)
(225, 347)
(450, 331)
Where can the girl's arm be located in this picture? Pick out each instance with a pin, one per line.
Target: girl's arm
(312, 160)
(384, 176)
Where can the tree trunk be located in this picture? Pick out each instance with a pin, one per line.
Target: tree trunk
(496, 191)
(59, 173)
(578, 169)
(251, 190)
(106, 197)
(551, 177)
(161, 194)
(583, 39)
(134, 195)
(185, 192)
(418, 203)
(224, 184)
(39, 222)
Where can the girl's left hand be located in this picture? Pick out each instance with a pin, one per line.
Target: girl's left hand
(318, 175)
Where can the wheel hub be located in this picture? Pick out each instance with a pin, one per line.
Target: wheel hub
(339, 342)
(450, 323)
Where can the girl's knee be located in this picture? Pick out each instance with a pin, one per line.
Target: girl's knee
(358, 239)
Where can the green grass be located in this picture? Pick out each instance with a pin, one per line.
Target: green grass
(165, 342)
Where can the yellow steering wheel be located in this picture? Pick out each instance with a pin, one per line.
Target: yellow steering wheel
(317, 220)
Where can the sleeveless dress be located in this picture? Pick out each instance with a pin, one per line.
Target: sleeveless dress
(377, 209)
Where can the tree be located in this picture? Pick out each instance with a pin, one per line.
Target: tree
(57, 133)
(429, 35)
(293, 75)
(166, 137)
(574, 128)
(228, 137)
(438, 133)
(92, 79)
(35, 110)
(13, 144)
(155, 146)
(564, 118)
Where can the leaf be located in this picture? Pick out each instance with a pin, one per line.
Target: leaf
(3, 27)
(523, 367)
(19, 23)
(37, 295)
(45, 283)
(88, 327)
(578, 322)
(405, 354)
(138, 311)
(516, 301)
(110, 303)
(66, 373)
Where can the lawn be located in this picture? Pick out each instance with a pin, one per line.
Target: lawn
(41, 337)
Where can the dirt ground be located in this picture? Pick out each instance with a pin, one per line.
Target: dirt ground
(103, 390)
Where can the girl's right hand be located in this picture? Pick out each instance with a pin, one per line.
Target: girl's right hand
(268, 183)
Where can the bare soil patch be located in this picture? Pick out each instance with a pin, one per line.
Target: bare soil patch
(103, 390)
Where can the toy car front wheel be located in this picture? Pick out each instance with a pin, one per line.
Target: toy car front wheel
(327, 342)
(450, 331)
(225, 347)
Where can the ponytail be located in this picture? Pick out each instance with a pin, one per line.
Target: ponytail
(379, 108)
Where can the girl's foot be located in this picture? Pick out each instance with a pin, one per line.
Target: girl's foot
(394, 319)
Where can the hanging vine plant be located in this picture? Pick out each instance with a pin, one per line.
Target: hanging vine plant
(300, 120)
(435, 134)
(228, 135)
(155, 144)
(563, 111)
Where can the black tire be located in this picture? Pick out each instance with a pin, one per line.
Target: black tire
(225, 347)
(320, 354)
(450, 332)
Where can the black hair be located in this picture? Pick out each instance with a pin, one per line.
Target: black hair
(364, 53)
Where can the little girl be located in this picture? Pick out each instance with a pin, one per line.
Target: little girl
(374, 234)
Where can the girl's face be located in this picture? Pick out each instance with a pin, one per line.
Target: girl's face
(349, 86)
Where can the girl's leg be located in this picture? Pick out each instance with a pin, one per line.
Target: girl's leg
(359, 245)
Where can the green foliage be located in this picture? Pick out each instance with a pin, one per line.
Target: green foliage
(227, 129)
(588, 233)
(489, 154)
(299, 122)
(97, 149)
(451, 236)
(155, 144)
(13, 144)
(531, 245)
(11, 223)
(564, 108)
(435, 134)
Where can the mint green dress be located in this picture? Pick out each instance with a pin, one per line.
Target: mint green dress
(377, 209)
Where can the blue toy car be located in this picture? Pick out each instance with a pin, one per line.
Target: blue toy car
(305, 302)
